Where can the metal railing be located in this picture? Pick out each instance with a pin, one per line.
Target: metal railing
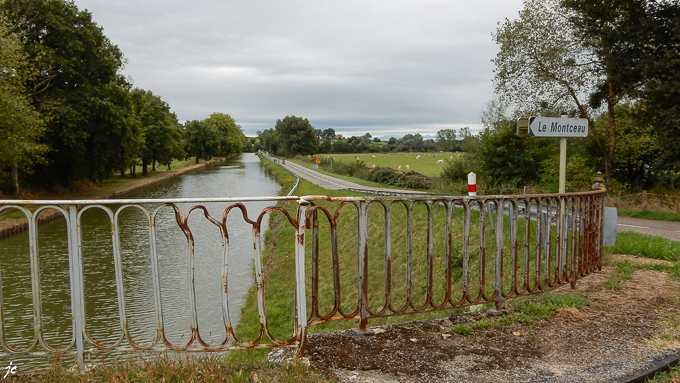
(413, 254)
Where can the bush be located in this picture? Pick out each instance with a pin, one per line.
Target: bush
(458, 168)
(579, 174)
(348, 168)
(392, 178)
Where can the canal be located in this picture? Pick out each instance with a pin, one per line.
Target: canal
(242, 176)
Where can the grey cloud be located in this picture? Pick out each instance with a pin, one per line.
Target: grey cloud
(350, 64)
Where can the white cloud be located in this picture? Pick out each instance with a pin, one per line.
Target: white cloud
(391, 66)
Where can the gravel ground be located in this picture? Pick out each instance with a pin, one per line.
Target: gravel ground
(619, 333)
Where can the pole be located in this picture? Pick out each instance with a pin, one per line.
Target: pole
(563, 164)
(562, 189)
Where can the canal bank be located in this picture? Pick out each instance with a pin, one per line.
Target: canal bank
(114, 187)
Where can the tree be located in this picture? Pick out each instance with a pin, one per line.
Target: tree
(510, 159)
(162, 138)
(545, 63)
(21, 126)
(410, 142)
(446, 140)
(79, 85)
(269, 141)
(296, 136)
(639, 42)
(328, 134)
(201, 140)
(232, 139)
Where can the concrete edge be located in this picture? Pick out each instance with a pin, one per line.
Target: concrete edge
(663, 365)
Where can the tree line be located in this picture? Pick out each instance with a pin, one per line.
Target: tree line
(615, 63)
(293, 136)
(68, 114)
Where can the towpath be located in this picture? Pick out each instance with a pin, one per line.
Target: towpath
(666, 229)
(333, 183)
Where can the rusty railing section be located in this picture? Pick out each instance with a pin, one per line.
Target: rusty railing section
(383, 255)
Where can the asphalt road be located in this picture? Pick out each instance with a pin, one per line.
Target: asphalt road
(332, 183)
(670, 230)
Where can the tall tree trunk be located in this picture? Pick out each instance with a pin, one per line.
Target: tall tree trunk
(153, 164)
(609, 154)
(145, 165)
(15, 177)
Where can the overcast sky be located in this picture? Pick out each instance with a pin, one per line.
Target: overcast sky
(386, 67)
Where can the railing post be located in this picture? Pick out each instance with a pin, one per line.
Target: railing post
(76, 276)
(300, 293)
(362, 255)
(499, 255)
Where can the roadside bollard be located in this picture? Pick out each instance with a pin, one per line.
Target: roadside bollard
(472, 184)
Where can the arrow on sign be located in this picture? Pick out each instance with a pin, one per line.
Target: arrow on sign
(558, 127)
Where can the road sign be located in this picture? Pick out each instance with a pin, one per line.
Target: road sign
(318, 160)
(552, 127)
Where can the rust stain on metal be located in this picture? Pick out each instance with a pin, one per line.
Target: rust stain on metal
(555, 239)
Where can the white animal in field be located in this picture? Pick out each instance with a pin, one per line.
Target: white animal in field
(451, 157)
(373, 156)
(399, 168)
(440, 161)
(373, 166)
(418, 157)
(406, 167)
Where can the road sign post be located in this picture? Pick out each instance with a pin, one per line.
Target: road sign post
(561, 127)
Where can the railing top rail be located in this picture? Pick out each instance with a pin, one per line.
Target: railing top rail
(292, 198)
(426, 197)
(136, 201)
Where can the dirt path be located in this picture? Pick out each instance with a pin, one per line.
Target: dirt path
(619, 333)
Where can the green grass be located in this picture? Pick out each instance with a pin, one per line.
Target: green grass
(647, 246)
(671, 376)
(524, 310)
(624, 271)
(203, 369)
(426, 165)
(649, 214)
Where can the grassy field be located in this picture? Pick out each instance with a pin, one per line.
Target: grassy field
(425, 165)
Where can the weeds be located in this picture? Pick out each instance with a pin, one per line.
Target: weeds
(647, 246)
(180, 369)
(524, 310)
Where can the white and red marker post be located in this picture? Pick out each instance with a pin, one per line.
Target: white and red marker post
(472, 184)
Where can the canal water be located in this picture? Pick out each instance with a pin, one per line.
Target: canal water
(242, 176)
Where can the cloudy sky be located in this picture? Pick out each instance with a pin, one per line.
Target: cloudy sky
(386, 67)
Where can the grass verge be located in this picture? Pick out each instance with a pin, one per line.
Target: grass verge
(205, 369)
(649, 214)
(643, 245)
